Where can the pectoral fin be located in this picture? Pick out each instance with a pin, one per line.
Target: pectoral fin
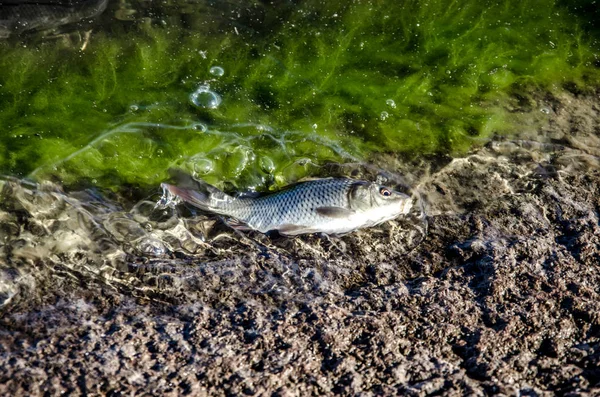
(292, 230)
(335, 212)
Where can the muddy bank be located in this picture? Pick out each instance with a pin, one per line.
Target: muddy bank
(501, 296)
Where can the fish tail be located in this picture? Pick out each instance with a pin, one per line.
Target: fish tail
(201, 195)
(197, 199)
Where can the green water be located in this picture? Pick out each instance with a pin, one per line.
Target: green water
(302, 85)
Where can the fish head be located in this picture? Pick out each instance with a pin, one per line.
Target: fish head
(378, 199)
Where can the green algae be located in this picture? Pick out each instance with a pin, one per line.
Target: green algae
(329, 82)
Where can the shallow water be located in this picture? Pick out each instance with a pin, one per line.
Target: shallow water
(170, 252)
(155, 250)
(253, 98)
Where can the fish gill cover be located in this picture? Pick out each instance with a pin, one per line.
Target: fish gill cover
(261, 95)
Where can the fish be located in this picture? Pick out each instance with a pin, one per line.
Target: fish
(333, 206)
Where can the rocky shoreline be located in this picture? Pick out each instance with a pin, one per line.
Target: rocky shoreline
(501, 297)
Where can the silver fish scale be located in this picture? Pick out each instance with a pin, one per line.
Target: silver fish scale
(294, 206)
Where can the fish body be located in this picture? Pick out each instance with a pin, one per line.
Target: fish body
(331, 206)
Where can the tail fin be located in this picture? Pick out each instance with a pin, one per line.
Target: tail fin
(198, 193)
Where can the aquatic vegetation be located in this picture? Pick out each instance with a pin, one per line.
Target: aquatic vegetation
(326, 82)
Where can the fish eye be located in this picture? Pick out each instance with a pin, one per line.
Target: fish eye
(384, 191)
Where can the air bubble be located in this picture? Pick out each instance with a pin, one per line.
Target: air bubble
(391, 103)
(217, 71)
(199, 127)
(546, 110)
(203, 97)
(203, 166)
(267, 165)
(384, 115)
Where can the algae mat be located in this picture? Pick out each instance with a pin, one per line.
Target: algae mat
(259, 95)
